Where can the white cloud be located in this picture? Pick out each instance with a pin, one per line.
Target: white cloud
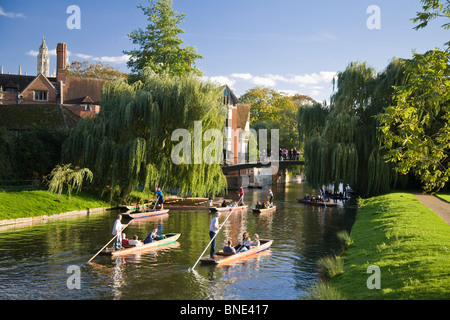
(314, 78)
(277, 77)
(264, 81)
(10, 14)
(243, 76)
(32, 53)
(317, 85)
(118, 59)
(222, 80)
(83, 56)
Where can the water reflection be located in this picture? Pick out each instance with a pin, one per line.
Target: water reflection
(34, 259)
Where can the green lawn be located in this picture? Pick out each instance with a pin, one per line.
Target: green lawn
(407, 241)
(38, 203)
(445, 196)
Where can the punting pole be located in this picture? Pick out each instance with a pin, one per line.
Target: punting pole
(110, 241)
(215, 235)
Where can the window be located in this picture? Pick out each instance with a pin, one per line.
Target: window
(41, 95)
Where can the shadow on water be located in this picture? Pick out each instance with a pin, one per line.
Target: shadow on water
(34, 260)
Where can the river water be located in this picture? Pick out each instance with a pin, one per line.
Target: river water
(48, 261)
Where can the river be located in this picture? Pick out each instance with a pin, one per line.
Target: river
(48, 261)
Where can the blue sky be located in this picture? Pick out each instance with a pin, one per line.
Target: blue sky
(294, 46)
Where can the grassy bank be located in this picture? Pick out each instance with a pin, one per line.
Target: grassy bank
(444, 196)
(25, 204)
(407, 241)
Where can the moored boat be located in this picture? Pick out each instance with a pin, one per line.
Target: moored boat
(147, 214)
(170, 238)
(264, 210)
(225, 257)
(317, 203)
(227, 209)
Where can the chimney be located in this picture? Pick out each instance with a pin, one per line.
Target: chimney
(1, 69)
(20, 70)
(61, 62)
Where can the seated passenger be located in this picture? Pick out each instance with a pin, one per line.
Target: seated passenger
(255, 242)
(228, 248)
(153, 236)
(124, 239)
(135, 242)
(245, 243)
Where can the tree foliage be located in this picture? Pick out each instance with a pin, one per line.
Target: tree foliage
(159, 43)
(66, 175)
(33, 151)
(433, 9)
(129, 144)
(416, 128)
(84, 69)
(342, 144)
(274, 110)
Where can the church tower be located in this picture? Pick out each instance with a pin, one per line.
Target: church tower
(43, 60)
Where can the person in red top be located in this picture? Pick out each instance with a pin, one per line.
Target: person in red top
(241, 195)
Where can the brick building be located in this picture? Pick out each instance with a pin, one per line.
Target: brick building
(79, 95)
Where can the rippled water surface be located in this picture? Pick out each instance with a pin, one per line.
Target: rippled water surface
(34, 260)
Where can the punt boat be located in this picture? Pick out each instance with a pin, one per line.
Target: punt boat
(147, 214)
(170, 238)
(266, 210)
(317, 203)
(227, 209)
(225, 257)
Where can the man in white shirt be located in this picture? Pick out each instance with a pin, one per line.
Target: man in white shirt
(117, 231)
(214, 227)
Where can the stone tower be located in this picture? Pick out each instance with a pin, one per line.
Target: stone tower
(43, 60)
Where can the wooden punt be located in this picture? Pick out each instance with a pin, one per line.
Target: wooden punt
(267, 210)
(148, 214)
(170, 238)
(317, 203)
(135, 207)
(227, 209)
(225, 257)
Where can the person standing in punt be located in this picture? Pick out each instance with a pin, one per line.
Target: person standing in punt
(160, 197)
(241, 195)
(117, 231)
(214, 227)
(270, 196)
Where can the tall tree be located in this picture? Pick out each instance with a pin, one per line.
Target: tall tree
(342, 144)
(159, 43)
(274, 110)
(416, 127)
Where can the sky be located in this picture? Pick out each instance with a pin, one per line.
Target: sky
(292, 46)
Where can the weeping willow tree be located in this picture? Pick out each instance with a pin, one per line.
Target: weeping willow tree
(129, 145)
(341, 143)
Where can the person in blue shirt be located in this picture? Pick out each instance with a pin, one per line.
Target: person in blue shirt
(160, 197)
(153, 236)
